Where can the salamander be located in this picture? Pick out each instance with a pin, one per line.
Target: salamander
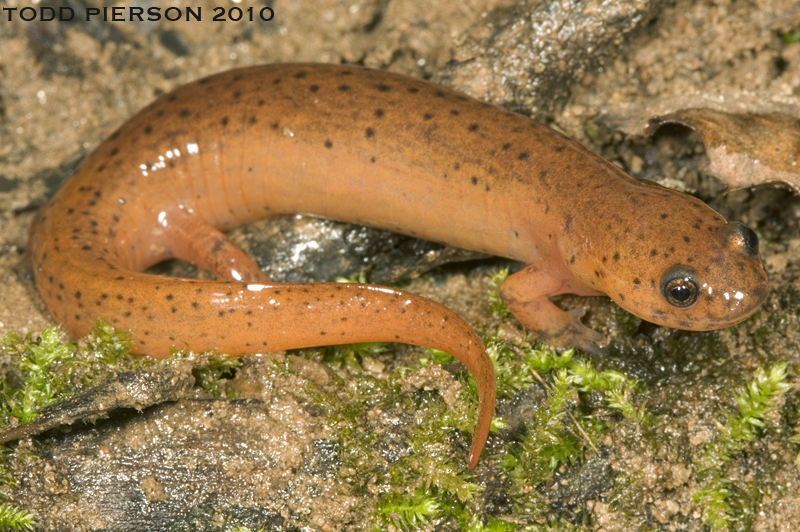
(384, 150)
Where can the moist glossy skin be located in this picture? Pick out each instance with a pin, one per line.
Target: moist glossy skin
(378, 149)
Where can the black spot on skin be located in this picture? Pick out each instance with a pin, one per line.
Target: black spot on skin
(314, 88)
(301, 74)
(572, 259)
(251, 120)
(343, 88)
(522, 156)
(261, 103)
(114, 152)
(413, 90)
(169, 297)
(439, 94)
(148, 129)
(78, 294)
(664, 215)
(427, 116)
(653, 252)
(616, 256)
(457, 166)
(274, 125)
(473, 127)
(276, 81)
(379, 113)
(328, 144)
(224, 121)
(506, 146)
(383, 87)
(488, 188)
(454, 112)
(559, 148)
(369, 133)
(195, 304)
(686, 239)
(185, 113)
(474, 180)
(567, 223)
(86, 248)
(636, 280)
(689, 259)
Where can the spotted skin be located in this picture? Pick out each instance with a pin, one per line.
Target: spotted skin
(377, 149)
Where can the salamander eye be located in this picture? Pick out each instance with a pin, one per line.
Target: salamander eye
(750, 241)
(679, 287)
(741, 235)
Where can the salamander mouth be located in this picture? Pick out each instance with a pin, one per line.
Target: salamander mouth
(737, 308)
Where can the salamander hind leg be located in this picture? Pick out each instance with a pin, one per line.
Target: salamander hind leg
(527, 295)
(194, 240)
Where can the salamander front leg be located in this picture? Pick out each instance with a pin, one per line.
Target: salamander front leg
(527, 295)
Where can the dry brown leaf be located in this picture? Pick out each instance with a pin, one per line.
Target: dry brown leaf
(744, 149)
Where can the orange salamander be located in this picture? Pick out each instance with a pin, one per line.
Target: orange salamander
(384, 150)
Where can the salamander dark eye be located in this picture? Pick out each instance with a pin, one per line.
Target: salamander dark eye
(679, 287)
(741, 235)
(750, 241)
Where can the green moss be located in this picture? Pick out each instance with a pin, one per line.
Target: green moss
(722, 501)
(211, 376)
(547, 445)
(45, 369)
(49, 368)
(424, 478)
(12, 518)
(428, 480)
(351, 355)
(406, 511)
(495, 301)
(791, 37)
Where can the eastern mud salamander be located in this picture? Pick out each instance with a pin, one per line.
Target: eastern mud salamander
(377, 149)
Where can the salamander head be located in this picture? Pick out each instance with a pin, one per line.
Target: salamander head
(723, 287)
(694, 271)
